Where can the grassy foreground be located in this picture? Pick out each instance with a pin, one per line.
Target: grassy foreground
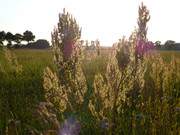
(25, 90)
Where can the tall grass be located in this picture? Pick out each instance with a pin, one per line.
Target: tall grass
(132, 91)
(26, 90)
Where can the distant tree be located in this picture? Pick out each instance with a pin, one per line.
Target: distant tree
(158, 44)
(28, 36)
(2, 37)
(9, 38)
(39, 44)
(18, 38)
(169, 44)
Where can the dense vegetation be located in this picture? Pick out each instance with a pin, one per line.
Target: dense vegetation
(132, 90)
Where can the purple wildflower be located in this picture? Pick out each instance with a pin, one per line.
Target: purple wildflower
(139, 47)
(149, 46)
(68, 49)
(70, 127)
(143, 47)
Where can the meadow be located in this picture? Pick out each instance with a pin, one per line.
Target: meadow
(21, 92)
(70, 90)
(34, 60)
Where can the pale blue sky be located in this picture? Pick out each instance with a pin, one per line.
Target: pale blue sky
(107, 20)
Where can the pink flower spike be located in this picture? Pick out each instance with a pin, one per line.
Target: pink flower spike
(68, 49)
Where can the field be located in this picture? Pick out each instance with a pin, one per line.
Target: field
(37, 60)
(21, 92)
(25, 90)
(79, 87)
(34, 60)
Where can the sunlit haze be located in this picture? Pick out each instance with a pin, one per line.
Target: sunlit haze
(106, 20)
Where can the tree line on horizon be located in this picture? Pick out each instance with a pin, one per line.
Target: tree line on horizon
(168, 45)
(10, 40)
(27, 36)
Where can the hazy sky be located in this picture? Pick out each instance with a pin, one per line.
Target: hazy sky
(107, 20)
